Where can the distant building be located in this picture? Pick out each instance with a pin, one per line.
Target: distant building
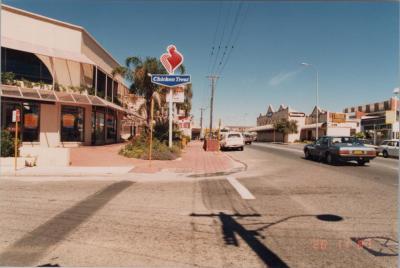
(329, 123)
(265, 124)
(378, 120)
(241, 129)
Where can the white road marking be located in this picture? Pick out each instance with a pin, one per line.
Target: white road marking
(243, 192)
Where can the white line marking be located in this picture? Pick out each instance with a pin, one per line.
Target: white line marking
(244, 193)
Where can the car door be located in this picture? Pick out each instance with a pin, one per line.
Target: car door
(394, 149)
(324, 147)
(390, 148)
(318, 147)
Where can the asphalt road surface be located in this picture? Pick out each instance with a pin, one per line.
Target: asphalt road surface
(283, 211)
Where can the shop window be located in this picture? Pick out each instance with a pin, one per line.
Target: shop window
(24, 65)
(111, 125)
(28, 127)
(109, 88)
(386, 105)
(30, 124)
(115, 93)
(101, 84)
(72, 123)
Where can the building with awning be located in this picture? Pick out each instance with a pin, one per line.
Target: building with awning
(60, 78)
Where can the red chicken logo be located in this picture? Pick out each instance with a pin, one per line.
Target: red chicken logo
(171, 60)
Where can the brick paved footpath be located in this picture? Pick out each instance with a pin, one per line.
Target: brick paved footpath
(194, 159)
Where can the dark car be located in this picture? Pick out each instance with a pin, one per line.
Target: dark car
(341, 148)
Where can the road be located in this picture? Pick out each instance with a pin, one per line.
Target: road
(282, 211)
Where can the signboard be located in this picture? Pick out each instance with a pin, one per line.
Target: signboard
(337, 117)
(390, 117)
(16, 116)
(171, 61)
(170, 80)
(68, 121)
(31, 121)
(178, 95)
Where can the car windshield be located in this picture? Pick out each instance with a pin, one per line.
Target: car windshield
(352, 140)
(234, 136)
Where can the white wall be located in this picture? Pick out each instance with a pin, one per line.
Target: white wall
(338, 131)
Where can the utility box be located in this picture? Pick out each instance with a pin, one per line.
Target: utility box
(211, 145)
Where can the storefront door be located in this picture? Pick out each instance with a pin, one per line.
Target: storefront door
(98, 126)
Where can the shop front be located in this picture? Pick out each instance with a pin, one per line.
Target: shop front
(58, 119)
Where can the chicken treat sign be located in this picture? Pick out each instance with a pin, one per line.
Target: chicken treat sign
(171, 61)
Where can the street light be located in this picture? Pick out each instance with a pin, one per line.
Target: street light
(317, 97)
(396, 92)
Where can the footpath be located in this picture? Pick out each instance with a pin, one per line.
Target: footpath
(105, 161)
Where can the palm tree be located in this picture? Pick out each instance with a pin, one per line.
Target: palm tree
(187, 104)
(137, 72)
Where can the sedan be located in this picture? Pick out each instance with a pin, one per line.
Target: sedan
(334, 149)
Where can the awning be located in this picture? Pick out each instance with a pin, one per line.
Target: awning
(261, 128)
(34, 48)
(313, 126)
(55, 96)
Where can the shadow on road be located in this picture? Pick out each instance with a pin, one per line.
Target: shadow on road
(30, 248)
(230, 227)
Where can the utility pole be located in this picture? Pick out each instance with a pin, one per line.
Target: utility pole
(213, 79)
(201, 120)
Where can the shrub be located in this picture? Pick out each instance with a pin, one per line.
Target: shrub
(27, 83)
(7, 78)
(7, 144)
(139, 148)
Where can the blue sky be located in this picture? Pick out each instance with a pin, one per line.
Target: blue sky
(354, 45)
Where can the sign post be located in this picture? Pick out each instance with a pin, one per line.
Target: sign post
(16, 116)
(171, 61)
(151, 128)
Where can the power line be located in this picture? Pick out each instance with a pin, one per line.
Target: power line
(215, 38)
(228, 46)
(235, 40)
(222, 38)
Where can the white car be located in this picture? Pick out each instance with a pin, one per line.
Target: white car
(233, 140)
(389, 148)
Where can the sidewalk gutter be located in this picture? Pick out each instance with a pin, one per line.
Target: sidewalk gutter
(66, 171)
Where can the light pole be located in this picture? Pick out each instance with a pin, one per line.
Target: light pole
(396, 92)
(317, 95)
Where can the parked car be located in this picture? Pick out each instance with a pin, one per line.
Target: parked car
(248, 138)
(232, 140)
(334, 149)
(389, 148)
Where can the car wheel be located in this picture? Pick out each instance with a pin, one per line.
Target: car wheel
(307, 154)
(361, 162)
(385, 154)
(329, 159)
(241, 148)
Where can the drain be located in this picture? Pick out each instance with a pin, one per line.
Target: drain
(329, 217)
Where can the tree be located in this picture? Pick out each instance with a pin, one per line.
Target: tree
(137, 72)
(285, 126)
(187, 104)
(360, 135)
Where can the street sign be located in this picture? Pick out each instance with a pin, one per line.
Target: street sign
(16, 116)
(171, 61)
(178, 95)
(170, 80)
